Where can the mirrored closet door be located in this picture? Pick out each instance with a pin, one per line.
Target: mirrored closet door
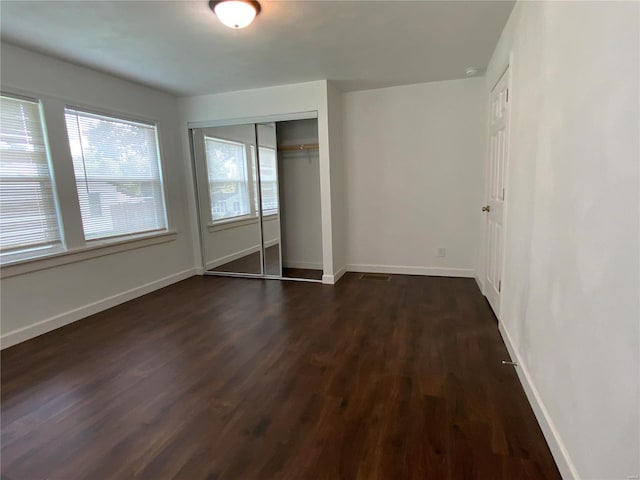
(269, 198)
(227, 180)
(242, 198)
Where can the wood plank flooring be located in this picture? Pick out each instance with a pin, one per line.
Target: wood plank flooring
(229, 378)
(305, 273)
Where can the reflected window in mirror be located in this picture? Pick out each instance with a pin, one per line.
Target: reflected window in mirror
(229, 173)
(269, 180)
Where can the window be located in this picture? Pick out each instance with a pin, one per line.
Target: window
(232, 180)
(118, 176)
(28, 217)
(117, 170)
(228, 179)
(268, 180)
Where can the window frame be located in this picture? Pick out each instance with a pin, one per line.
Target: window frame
(37, 252)
(253, 216)
(161, 170)
(271, 211)
(251, 174)
(73, 246)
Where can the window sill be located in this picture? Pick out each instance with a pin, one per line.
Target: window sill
(19, 267)
(234, 223)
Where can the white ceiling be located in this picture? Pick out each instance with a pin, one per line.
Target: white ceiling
(181, 47)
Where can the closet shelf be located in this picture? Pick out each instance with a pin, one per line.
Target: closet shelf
(294, 148)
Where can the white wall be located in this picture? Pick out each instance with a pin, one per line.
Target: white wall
(338, 181)
(414, 158)
(570, 297)
(267, 103)
(36, 302)
(300, 209)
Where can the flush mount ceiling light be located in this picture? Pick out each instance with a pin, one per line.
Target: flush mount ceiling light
(235, 13)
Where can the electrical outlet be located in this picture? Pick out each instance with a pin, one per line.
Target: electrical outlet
(442, 252)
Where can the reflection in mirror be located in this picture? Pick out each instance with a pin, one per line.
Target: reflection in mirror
(300, 210)
(268, 165)
(227, 184)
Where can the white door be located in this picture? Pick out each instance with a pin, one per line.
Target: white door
(496, 191)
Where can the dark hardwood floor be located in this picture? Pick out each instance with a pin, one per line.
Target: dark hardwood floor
(229, 378)
(306, 273)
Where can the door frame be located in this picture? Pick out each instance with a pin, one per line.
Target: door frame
(191, 127)
(506, 69)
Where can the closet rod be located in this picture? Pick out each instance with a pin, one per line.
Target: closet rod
(293, 148)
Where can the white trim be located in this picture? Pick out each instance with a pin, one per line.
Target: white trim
(239, 254)
(232, 223)
(238, 222)
(258, 276)
(556, 445)
(338, 275)
(88, 252)
(505, 208)
(15, 96)
(479, 282)
(407, 270)
(259, 119)
(129, 115)
(295, 279)
(502, 71)
(57, 321)
(328, 279)
(486, 198)
(305, 265)
(232, 256)
(70, 105)
(333, 279)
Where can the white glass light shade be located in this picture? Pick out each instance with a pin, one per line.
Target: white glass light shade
(235, 13)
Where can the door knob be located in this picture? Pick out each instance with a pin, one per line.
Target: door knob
(486, 208)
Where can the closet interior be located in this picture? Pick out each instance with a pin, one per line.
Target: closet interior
(258, 195)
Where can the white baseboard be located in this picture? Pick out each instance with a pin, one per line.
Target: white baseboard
(239, 254)
(406, 270)
(232, 256)
(480, 284)
(306, 265)
(556, 445)
(333, 279)
(338, 275)
(57, 321)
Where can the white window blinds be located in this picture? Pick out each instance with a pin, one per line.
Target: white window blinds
(28, 216)
(228, 179)
(118, 176)
(269, 180)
